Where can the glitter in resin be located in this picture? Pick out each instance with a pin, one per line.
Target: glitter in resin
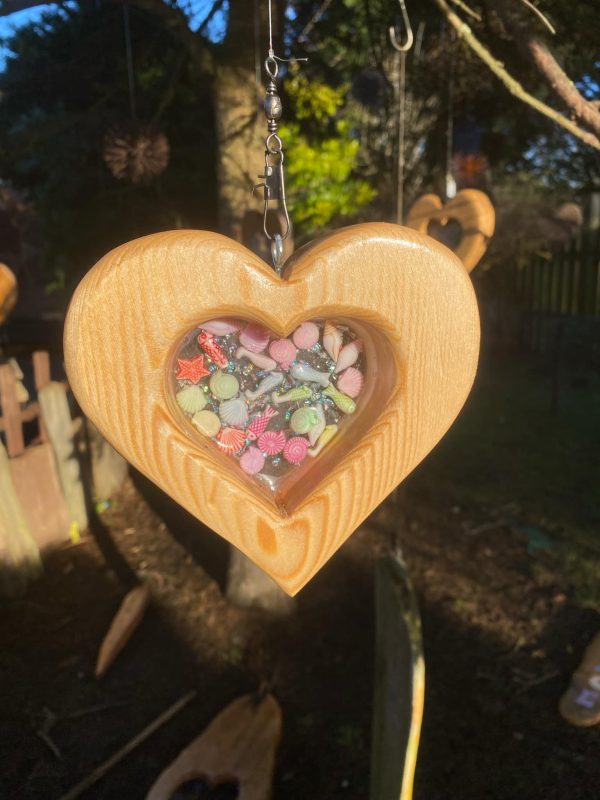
(266, 400)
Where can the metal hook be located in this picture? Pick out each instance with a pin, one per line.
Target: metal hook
(408, 43)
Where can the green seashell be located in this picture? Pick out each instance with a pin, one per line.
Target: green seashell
(303, 420)
(223, 385)
(191, 399)
(345, 404)
(207, 422)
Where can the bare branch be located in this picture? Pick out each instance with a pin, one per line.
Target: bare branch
(534, 49)
(513, 86)
(541, 16)
(467, 9)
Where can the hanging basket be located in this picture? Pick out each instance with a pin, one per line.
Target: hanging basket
(135, 153)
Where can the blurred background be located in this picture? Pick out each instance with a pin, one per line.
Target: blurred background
(122, 119)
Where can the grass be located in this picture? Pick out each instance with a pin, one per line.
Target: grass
(508, 449)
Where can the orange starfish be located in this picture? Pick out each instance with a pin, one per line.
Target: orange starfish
(191, 369)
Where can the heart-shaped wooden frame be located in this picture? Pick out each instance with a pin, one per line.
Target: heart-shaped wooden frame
(133, 307)
(473, 211)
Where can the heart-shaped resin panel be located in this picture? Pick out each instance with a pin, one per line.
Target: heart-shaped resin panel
(274, 406)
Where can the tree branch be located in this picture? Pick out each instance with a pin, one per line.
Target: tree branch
(535, 50)
(513, 86)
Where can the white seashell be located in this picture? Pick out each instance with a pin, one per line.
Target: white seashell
(302, 372)
(258, 359)
(234, 412)
(191, 399)
(269, 382)
(317, 429)
(348, 355)
(332, 340)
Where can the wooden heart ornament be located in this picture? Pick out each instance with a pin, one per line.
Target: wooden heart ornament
(465, 224)
(185, 349)
(8, 292)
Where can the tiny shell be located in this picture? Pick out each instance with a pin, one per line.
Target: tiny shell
(303, 419)
(303, 372)
(231, 440)
(221, 327)
(207, 422)
(332, 340)
(327, 435)
(191, 399)
(252, 461)
(255, 337)
(271, 442)
(295, 449)
(348, 355)
(258, 359)
(351, 382)
(223, 385)
(283, 351)
(306, 335)
(234, 412)
(319, 427)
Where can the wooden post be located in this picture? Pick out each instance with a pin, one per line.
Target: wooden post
(19, 554)
(57, 419)
(11, 411)
(41, 378)
(399, 683)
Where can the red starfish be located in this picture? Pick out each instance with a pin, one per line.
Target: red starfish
(191, 369)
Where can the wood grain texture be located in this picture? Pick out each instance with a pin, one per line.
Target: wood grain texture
(410, 296)
(238, 745)
(8, 292)
(474, 212)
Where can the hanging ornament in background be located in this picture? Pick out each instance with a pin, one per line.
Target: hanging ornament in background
(8, 292)
(135, 153)
(465, 224)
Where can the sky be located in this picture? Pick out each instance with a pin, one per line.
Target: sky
(196, 10)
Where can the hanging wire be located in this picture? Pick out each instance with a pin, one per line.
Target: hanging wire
(402, 48)
(129, 60)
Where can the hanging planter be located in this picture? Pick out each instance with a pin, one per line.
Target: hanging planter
(135, 152)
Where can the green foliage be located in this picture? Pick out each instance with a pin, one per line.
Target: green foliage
(321, 157)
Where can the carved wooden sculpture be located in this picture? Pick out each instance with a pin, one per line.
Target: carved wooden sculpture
(144, 369)
(471, 209)
(8, 292)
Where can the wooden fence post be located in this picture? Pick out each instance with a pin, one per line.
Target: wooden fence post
(19, 554)
(59, 425)
(11, 411)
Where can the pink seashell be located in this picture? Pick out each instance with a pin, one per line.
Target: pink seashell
(271, 442)
(306, 335)
(221, 327)
(231, 440)
(259, 424)
(348, 355)
(252, 461)
(295, 449)
(351, 382)
(283, 351)
(255, 337)
(332, 340)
